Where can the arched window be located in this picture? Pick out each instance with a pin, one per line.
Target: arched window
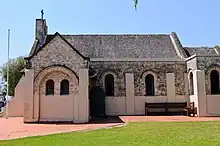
(50, 87)
(109, 85)
(64, 87)
(214, 79)
(191, 86)
(149, 85)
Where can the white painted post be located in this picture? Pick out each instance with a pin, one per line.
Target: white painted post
(130, 99)
(171, 93)
(29, 97)
(199, 92)
(83, 100)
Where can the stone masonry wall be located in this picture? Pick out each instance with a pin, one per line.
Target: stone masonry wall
(139, 68)
(204, 62)
(208, 64)
(57, 77)
(57, 52)
(57, 74)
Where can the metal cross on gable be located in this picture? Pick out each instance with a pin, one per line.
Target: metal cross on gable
(42, 14)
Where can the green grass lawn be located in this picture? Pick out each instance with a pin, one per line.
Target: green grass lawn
(134, 134)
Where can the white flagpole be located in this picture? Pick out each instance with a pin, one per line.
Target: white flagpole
(7, 75)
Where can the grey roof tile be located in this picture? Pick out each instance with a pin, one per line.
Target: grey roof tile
(123, 46)
(199, 51)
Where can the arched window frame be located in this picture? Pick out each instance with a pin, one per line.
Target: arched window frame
(208, 75)
(61, 85)
(218, 80)
(155, 81)
(103, 80)
(191, 82)
(47, 92)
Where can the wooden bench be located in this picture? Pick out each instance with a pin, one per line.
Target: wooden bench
(165, 105)
(190, 110)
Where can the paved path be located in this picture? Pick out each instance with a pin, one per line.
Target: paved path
(166, 119)
(12, 128)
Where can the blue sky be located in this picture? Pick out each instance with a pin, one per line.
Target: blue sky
(197, 22)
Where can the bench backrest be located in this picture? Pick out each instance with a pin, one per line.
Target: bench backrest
(166, 104)
(154, 104)
(177, 104)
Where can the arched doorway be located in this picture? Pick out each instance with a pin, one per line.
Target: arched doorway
(214, 79)
(97, 102)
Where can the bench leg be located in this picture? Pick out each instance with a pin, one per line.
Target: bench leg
(146, 111)
(166, 110)
(189, 113)
(193, 113)
(183, 113)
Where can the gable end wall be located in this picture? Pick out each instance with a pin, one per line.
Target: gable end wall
(57, 52)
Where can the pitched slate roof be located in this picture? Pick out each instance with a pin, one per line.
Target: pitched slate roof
(35, 48)
(199, 51)
(123, 46)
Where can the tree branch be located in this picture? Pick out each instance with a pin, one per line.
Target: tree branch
(135, 4)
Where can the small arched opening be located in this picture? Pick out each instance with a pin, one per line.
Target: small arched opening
(50, 87)
(149, 85)
(214, 79)
(64, 87)
(191, 84)
(109, 85)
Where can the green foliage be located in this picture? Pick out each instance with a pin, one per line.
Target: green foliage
(15, 67)
(135, 3)
(133, 134)
(217, 46)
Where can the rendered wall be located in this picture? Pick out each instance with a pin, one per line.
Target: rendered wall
(213, 102)
(135, 105)
(115, 105)
(56, 108)
(199, 92)
(28, 96)
(16, 105)
(83, 99)
(170, 77)
(74, 107)
(192, 64)
(130, 99)
(140, 101)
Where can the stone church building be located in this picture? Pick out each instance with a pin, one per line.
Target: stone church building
(73, 77)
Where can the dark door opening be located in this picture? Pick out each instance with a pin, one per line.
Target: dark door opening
(97, 102)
